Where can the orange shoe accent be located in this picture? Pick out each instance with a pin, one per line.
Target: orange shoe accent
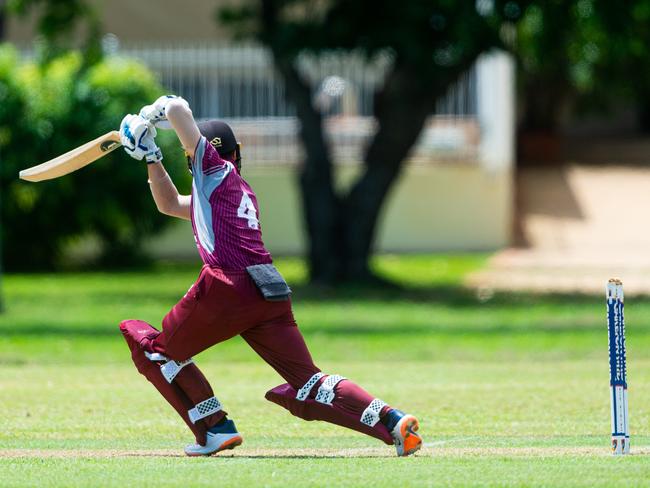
(412, 441)
(230, 444)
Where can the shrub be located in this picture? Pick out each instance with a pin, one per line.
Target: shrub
(46, 110)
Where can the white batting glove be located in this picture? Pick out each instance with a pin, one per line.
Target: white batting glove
(137, 136)
(156, 113)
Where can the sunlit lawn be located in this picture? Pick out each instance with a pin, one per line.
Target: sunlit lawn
(512, 390)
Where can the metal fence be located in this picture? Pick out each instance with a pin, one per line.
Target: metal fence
(237, 83)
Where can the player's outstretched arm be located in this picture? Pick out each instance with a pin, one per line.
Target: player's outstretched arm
(165, 194)
(181, 119)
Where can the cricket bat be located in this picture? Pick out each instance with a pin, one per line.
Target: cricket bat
(73, 160)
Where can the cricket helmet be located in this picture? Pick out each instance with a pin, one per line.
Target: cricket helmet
(222, 138)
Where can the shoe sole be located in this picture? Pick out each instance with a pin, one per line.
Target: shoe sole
(228, 445)
(412, 441)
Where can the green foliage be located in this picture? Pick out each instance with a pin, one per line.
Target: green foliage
(59, 21)
(582, 55)
(49, 109)
(428, 35)
(616, 51)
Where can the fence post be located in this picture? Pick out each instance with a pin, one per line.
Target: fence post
(496, 152)
(496, 111)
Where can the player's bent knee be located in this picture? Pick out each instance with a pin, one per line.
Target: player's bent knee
(138, 333)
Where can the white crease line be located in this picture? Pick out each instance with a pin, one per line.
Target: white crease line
(450, 441)
(425, 444)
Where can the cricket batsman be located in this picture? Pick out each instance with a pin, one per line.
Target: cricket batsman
(238, 292)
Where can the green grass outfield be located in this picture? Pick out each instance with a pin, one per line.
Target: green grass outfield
(511, 390)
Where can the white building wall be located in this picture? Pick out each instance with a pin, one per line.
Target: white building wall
(450, 207)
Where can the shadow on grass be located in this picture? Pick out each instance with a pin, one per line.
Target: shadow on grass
(467, 301)
(455, 295)
(416, 331)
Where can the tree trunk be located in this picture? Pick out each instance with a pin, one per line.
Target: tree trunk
(3, 19)
(3, 23)
(319, 201)
(402, 110)
(341, 230)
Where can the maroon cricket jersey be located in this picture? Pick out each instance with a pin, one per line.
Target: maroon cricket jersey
(224, 213)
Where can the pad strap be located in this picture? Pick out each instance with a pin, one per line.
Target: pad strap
(204, 409)
(303, 393)
(326, 390)
(171, 368)
(370, 415)
(155, 356)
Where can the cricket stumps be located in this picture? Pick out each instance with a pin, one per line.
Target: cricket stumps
(617, 367)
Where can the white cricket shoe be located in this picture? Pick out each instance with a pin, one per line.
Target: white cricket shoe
(407, 441)
(218, 439)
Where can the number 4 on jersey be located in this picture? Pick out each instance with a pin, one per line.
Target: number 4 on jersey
(247, 211)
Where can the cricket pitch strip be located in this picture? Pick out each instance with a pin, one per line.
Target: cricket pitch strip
(242, 452)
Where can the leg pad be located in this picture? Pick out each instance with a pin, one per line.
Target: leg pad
(138, 334)
(285, 396)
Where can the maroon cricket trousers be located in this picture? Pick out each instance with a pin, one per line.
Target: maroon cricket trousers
(223, 304)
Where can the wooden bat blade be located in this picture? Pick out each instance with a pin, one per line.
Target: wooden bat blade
(73, 160)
